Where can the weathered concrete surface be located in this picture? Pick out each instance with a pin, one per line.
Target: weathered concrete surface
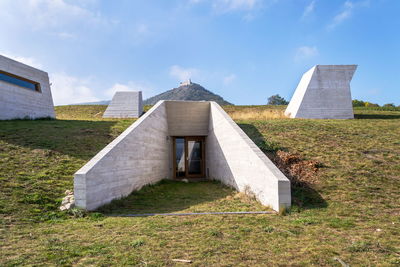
(143, 155)
(139, 156)
(235, 160)
(188, 118)
(18, 102)
(125, 105)
(323, 93)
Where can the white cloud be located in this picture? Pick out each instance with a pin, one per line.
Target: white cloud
(195, 1)
(309, 9)
(346, 13)
(223, 6)
(183, 74)
(130, 86)
(33, 62)
(68, 89)
(229, 79)
(65, 35)
(231, 5)
(51, 16)
(306, 52)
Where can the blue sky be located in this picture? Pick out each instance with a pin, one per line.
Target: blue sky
(244, 50)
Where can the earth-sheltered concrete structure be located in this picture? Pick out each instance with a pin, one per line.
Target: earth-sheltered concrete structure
(24, 91)
(175, 138)
(323, 93)
(125, 104)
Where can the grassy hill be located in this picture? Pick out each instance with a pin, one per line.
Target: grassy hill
(346, 197)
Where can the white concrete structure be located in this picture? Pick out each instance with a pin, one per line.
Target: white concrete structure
(144, 154)
(185, 83)
(127, 104)
(24, 91)
(323, 93)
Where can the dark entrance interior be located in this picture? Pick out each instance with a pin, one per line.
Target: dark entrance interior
(189, 157)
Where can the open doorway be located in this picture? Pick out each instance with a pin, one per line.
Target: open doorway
(189, 157)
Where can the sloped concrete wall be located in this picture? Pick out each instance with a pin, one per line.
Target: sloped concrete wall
(323, 93)
(188, 118)
(143, 155)
(18, 102)
(295, 102)
(236, 161)
(139, 156)
(125, 105)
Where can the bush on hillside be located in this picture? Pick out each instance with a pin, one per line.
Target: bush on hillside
(277, 100)
(369, 104)
(358, 103)
(389, 105)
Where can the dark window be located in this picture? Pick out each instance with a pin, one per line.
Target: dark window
(13, 79)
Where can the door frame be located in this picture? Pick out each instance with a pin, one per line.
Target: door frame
(203, 162)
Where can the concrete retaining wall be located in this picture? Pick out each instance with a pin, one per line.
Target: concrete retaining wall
(17, 102)
(235, 160)
(139, 156)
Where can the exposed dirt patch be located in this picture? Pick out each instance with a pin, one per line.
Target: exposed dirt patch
(300, 172)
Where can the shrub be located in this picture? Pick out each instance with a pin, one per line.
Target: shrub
(389, 105)
(277, 100)
(369, 104)
(358, 103)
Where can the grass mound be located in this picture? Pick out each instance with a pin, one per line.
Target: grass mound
(347, 208)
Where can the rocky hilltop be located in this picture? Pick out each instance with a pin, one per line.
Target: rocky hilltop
(187, 91)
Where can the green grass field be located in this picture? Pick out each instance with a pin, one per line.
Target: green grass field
(350, 209)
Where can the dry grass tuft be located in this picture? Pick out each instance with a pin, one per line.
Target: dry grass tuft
(257, 114)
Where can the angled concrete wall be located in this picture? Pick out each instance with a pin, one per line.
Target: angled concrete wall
(125, 105)
(235, 160)
(143, 155)
(323, 93)
(139, 156)
(17, 102)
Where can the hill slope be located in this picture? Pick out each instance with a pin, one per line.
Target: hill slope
(193, 91)
(351, 210)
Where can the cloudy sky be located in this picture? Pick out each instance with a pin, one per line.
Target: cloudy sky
(244, 50)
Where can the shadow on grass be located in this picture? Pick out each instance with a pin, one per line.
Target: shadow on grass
(377, 116)
(77, 138)
(169, 196)
(303, 195)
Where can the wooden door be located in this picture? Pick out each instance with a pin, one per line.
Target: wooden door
(189, 157)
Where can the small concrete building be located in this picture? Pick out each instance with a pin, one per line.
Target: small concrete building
(24, 91)
(127, 104)
(176, 140)
(323, 93)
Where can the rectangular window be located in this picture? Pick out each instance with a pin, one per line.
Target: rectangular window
(22, 82)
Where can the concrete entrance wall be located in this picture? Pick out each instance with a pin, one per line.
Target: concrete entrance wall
(139, 156)
(235, 160)
(142, 155)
